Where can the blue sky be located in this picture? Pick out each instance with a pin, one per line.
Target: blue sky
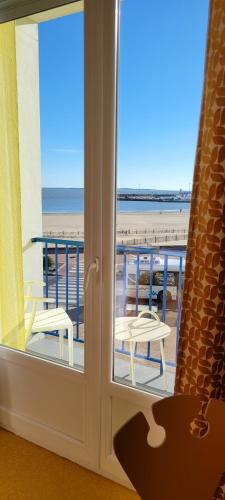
(161, 64)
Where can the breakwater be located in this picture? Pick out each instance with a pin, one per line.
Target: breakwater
(153, 197)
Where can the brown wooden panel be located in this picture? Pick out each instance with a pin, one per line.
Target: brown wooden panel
(184, 466)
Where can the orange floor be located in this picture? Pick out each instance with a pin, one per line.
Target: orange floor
(28, 472)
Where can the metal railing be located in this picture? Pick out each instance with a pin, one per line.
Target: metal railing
(138, 252)
(67, 285)
(60, 285)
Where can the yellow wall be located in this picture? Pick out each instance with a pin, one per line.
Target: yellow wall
(11, 269)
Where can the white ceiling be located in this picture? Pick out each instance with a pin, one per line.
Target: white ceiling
(14, 9)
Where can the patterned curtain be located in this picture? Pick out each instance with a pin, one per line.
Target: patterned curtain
(201, 352)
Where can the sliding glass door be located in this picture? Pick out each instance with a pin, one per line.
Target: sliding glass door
(113, 263)
(160, 78)
(51, 159)
(160, 67)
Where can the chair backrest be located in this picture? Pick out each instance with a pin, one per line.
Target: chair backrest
(133, 325)
(29, 323)
(28, 291)
(149, 313)
(29, 299)
(31, 316)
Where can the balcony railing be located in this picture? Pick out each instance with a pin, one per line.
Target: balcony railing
(58, 285)
(64, 278)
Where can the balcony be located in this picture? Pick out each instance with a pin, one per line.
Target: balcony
(136, 289)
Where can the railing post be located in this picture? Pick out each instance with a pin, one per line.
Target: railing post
(150, 280)
(179, 302)
(137, 281)
(164, 287)
(56, 276)
(150, 296)
(46, 273)
(77, 291)
(67, 279)
(124, 281)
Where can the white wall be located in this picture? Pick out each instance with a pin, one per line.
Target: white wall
(29, 144)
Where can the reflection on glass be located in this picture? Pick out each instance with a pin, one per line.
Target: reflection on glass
(44, 282)
(161, 59)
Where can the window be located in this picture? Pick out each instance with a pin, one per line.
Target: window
(160, 78)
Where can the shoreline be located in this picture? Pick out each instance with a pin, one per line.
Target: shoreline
(142, 212)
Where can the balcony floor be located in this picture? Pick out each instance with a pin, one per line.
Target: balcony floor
(147, 373)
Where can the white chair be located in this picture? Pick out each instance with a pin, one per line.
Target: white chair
(47, 320)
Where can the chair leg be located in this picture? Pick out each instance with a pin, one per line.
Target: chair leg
(132, 367)
(61, 343)
(164, 374)
(70, 345)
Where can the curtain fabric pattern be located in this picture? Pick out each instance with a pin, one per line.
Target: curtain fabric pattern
(201, 350)
(12, 332)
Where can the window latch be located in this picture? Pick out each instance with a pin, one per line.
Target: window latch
(93, 266)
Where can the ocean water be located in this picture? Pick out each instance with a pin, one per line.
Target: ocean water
(71, 200)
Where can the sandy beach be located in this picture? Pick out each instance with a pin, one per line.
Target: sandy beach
(130, 225)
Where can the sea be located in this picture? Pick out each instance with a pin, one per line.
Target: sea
(71, 200)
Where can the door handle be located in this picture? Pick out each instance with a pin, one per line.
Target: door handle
(93, 266)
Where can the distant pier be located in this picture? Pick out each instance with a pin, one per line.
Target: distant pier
(170, 197)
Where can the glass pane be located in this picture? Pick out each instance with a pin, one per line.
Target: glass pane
(49, 69)
(160, 79)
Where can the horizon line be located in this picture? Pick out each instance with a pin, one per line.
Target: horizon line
(129, 188)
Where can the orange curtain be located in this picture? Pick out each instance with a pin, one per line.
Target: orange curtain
(201, 352)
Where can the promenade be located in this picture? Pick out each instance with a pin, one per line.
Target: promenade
(132, 228)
